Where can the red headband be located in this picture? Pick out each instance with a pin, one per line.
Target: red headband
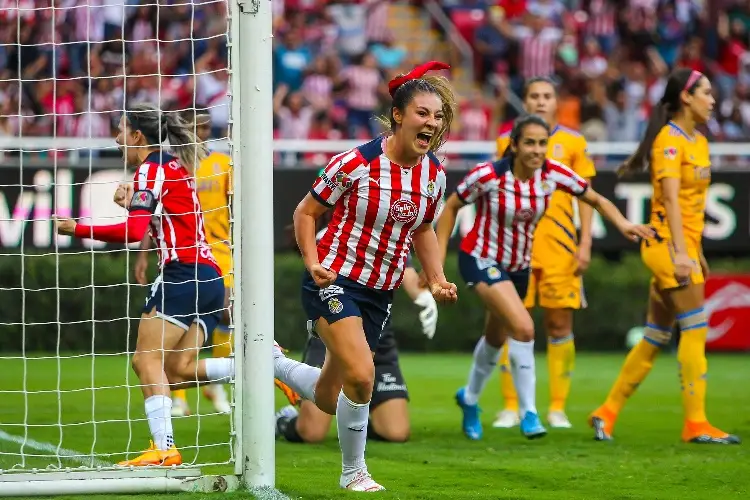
(417, 72)
(694, 77)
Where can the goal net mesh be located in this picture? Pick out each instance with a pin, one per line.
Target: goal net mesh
(70, 308)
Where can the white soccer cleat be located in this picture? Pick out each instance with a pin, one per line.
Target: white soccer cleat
(278, 352)
(360, 481)
(558, 420)
(506, 419)
(180, 408)
(218, 397)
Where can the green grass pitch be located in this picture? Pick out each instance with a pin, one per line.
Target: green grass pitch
(646, 461)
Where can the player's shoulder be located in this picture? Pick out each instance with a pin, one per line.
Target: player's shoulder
(489, 170)
(671, 134)
(159, 163)
(570, 135)
(556, 166)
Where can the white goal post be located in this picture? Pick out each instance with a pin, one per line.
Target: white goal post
(74, 451)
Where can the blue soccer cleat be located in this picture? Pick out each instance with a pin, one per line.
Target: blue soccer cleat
(531, 426)
(471, 425)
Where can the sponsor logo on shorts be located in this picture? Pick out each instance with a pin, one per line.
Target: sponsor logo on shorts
(335, 306)
(330, 291)
(389, 384)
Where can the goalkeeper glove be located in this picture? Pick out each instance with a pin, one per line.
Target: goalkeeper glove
(429, 314)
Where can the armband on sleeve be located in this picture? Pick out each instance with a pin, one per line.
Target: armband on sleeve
(143, 200)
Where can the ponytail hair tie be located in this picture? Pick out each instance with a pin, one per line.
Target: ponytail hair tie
(417, 72)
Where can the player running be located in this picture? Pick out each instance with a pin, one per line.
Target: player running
(213, 180)
(187, 298)
(678, 159)
(511, 194)
(558, 259)
(385, 195)
(389, 413)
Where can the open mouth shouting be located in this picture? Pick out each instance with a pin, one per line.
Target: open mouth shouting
(423, 139)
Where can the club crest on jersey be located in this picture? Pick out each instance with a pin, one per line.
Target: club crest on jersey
(524, 215)
(670, 153)
(547, 188)
(404, 211)
(343, 180)
(335, 306)
(557, 151)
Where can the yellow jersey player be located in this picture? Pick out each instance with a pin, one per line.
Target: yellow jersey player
(558, 260)
(677, 157)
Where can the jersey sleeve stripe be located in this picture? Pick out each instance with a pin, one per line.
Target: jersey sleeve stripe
(320, 199)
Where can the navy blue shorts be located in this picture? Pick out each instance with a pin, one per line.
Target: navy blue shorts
(345, 298)
(185, 293)
(475, 270)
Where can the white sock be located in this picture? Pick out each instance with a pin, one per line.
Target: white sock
(159, 414)
(523, 368)
(219, 370)
(485, 361)
(351, 420)
(299, 376)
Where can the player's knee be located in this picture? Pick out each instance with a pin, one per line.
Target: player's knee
(558, 323)
(523, 330)
(360, 379)
(394, 433)
(179, 368)
(311, 432)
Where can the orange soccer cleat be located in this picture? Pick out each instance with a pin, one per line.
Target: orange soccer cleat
(290, 394)
(602, 420)
(155, 456)
(705, 433)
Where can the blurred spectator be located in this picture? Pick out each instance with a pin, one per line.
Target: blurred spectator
(67, 71)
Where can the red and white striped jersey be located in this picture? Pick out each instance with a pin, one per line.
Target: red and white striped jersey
(377, 205)
(508, 210)
(177, 221)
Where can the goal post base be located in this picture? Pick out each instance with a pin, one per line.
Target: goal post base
(110, 482)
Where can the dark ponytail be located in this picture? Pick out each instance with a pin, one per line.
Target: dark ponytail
(519, 126)
(669, 105)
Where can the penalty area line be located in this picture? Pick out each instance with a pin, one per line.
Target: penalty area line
(73, 455)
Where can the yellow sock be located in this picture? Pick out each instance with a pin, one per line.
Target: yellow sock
(180, 394)
(222, 340)
(507, 388)
(691, 358)
(637, 366)
(561, 355)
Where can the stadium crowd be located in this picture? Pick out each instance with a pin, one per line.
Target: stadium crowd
(332, 60)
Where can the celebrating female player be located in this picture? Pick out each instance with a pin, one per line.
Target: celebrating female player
(187, 298)
(558, 260)
(384, 196)
(511, 195)
(678, 158)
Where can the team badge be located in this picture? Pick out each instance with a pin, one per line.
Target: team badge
(493, 273)
(557, 151)
(670, 153)
(404, 211)
(431, 189)
(547, 188)
(343, 180)
(335, 306)
(524, 215)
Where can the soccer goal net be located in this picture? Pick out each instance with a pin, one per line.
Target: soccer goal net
(72, 405)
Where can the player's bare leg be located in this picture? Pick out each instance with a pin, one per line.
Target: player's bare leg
(502, 300)
(309, 424)
(222, 348)
(156, 337)
(390, 421)
(346, 343)
(558, 324)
